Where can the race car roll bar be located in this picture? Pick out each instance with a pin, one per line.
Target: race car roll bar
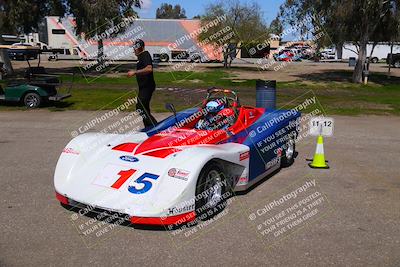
(212, 90)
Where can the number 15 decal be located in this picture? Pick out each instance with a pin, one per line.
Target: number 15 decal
(144, 180)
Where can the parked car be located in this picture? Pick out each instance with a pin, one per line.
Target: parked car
(373, 60)
(328, 55)
(393, 60)
(288, 55)
(21, 51)
(65, 53)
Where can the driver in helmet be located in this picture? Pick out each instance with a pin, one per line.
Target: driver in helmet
(217, 117)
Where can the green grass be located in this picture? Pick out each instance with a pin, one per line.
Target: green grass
(185, 79)
(381, 96)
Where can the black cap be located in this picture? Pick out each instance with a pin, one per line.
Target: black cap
(138, 43)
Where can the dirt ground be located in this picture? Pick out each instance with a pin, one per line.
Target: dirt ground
(357, 223)
(279, 71)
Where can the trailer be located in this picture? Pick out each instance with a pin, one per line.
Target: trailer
(166, 40)
(21, 51)
(380, 52)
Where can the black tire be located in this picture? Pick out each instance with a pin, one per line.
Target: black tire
(374, 60)
(52, 58)
(32, 100)
(196, 59)
(207, 204)
(288, 153)
(164, 58)
(396, 64)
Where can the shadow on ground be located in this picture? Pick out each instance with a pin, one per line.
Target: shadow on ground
(346, 76)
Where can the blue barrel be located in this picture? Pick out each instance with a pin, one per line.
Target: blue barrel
(266, 94)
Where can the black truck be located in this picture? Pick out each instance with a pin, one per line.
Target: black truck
(393, 60)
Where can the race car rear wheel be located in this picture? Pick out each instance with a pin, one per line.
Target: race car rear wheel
(288, 153)
(210, 191)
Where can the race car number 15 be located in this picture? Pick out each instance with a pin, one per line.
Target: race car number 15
(112, 176)
(143, 180)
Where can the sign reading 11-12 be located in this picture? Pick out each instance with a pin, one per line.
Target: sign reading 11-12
(321, 126)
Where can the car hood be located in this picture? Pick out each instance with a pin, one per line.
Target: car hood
(104, 177)
(180, 138)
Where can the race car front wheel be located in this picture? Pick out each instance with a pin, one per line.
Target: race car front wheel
(288, 153)
(210, 191)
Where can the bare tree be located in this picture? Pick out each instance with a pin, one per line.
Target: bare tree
(244, 21)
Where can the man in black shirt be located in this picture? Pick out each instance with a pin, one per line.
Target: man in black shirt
(145, 80)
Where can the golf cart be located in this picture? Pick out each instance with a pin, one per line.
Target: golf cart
(36, 88)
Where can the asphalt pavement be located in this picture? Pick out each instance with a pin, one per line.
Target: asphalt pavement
(350, 215)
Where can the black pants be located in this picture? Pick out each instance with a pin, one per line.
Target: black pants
(143, 104)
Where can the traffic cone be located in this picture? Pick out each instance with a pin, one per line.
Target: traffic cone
(318, 161)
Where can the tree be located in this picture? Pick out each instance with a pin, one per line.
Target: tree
(345, 20)
(24, 16)
(276, 26)
(167, 11)
(365, 17)
(95, 19)
(244, 21)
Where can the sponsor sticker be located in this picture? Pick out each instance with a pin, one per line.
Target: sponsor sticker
(272, 162)
(69, 150)
(129, 158)
(244, 155)
(243, 180)
(279, 152)
(179, 174)
(179, 210)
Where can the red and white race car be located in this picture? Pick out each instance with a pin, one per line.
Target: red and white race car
(182, 168)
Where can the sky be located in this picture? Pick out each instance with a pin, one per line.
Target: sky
(270, 8)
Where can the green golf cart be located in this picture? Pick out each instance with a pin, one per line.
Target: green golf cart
(35, 89)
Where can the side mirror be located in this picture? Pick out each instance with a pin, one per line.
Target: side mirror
(170, 107)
